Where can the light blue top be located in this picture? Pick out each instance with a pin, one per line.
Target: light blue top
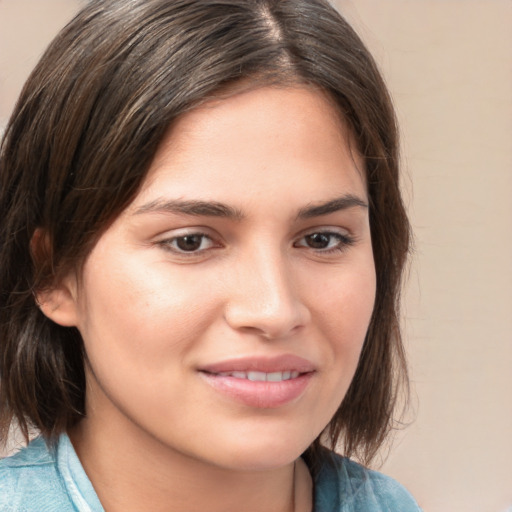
(37, 480)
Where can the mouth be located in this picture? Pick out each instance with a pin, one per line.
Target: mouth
(264, 383)
(256, 366)
(255, 376)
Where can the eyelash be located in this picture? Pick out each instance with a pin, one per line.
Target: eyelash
(344, 241)
(167, 244)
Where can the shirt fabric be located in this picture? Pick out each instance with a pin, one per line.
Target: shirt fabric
(38, 480)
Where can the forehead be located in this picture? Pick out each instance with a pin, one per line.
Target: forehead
(258, 139)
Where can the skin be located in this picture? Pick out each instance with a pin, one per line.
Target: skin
(152, 315)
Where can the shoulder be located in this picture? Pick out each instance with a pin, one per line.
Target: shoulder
(29, 481)
(342, 485)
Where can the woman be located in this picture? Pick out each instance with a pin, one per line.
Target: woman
(200, 263)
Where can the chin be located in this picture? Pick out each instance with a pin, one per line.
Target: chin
(263, 454)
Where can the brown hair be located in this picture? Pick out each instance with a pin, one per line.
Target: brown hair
(82, 137)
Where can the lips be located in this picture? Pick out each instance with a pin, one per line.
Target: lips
(282, 363)
(260, 382)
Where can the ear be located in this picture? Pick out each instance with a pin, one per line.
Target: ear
(58, 299)
(59, 302)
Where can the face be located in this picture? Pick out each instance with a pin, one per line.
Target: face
(223, 313)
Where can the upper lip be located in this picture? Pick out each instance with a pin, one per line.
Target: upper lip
(282, 363)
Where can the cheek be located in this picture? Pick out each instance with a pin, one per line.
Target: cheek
(135, 314)
(341, 314)
(141, 324)
(343, 311)
(347, 298)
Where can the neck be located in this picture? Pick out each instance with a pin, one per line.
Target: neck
(145, 475)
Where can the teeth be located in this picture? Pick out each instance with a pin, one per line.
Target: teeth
(262, 376)
(276, 376)
(257, 376)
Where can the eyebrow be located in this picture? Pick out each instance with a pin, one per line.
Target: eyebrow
(334, 205)
(191, 207)
(216, 209)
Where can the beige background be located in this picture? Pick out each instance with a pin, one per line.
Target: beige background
(448, 64)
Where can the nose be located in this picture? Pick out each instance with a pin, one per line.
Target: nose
(264, 297)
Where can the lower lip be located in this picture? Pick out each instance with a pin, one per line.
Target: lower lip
(259, 394)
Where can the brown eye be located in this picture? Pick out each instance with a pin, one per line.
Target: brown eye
(189, 243)
(318, 240)
(325, 241)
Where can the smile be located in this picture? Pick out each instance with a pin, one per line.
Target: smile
(255, 376)
(260, 382)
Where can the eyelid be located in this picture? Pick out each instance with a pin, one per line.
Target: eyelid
(333, 230)
(346, 239)
(166, 240)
